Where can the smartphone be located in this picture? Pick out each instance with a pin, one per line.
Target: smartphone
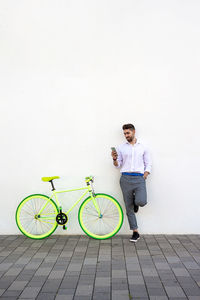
(113, 149)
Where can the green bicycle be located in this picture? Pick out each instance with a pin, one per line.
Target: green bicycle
(100, 215)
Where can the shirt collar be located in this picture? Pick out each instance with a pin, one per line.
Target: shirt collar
(138, 142)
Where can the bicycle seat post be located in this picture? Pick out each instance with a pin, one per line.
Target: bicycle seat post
(53, 188)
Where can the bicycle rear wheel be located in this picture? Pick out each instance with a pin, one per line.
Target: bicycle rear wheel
(30, 222)
(104, 226)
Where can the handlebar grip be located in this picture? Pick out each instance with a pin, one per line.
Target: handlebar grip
(89, 178)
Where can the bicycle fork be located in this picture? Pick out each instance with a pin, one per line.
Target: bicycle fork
(92, 195)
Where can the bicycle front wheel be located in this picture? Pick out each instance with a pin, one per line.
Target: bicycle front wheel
(107, 224)
(36, 216)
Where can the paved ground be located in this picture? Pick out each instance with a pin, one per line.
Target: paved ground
(65, 267)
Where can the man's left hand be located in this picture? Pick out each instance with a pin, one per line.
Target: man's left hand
(145, 175)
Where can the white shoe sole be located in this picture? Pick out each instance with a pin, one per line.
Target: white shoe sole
(134, 241)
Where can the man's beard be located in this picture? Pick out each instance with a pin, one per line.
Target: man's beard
(130, 139)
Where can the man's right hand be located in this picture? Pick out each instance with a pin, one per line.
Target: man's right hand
(114, 155)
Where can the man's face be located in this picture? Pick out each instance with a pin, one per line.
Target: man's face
(129, 135)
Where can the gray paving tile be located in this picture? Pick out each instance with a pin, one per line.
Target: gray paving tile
(64, 297)
(136, 279)
(74, 267)
(191, 290)
(84, 290)
(174, 291)
(10, 298)
(155, 291)
(46, 296)
(177, 298)
(66, 291)
(102, 289)
(119, 274)
(56, 274)
(138, 291)
(88, 270)
(82, 298)
(102, 281)
(2, 291)
(191, 265)
(30, 292)
(24, 277)
(10, 294)
(88, 280)
(181, 272)
(67, 283)
(13, 271)
(150, 272)
(43, 271)
(18, 285)
(5, 266)
(101, 295)
(90, 261)
(51, 286)
(5, 282)
(162, 266)
(121, 294)
(158, 297)
(36, 284)
(119, 286)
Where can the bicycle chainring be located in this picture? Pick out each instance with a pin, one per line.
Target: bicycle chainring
(61, 218)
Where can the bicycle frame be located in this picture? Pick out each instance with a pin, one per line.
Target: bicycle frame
(89, 189)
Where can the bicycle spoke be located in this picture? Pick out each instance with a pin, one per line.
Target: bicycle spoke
(43, 221)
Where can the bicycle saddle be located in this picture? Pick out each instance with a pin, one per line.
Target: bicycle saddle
(46, 179)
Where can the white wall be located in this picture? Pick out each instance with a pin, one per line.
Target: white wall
(72, 73)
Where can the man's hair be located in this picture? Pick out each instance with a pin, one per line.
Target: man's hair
(128, 126)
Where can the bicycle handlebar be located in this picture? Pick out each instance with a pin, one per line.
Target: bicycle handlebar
(90, 178)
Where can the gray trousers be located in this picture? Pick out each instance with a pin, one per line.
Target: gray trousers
(129, 186)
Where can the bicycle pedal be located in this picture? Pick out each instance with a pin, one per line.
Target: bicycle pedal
(64, 227)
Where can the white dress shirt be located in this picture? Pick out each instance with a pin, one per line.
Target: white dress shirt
(134, 158)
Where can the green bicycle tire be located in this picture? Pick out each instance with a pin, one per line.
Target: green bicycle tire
(87, 208)
(22, 210)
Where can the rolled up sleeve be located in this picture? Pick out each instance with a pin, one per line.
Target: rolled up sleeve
(119, 159)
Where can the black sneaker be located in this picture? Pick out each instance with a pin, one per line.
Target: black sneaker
(136, 207)
(135, 237)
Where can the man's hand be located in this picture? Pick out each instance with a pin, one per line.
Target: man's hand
(145, 175)
(114, 155)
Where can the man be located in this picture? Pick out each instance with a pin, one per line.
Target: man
(135, 162)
